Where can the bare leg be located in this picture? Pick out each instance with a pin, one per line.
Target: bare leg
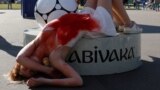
(107, 4)
(91, 3)
(121, 12)
(117, 19)
(128, 25)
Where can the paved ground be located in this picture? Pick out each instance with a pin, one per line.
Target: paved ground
(146, 77)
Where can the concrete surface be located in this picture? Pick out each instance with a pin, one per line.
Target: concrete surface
(146, 77)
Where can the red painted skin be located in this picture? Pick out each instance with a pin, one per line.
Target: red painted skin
(56, 33)
(65, 29)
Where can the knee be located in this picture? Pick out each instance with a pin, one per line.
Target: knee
(19, 58)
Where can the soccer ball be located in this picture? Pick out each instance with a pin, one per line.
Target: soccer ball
(47, 10)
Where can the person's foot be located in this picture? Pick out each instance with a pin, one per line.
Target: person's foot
(34, 82)
(133, 29)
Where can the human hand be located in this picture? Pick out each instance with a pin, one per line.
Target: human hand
(34, 82)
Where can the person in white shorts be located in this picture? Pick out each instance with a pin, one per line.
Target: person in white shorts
(117, 10)
(102, 15)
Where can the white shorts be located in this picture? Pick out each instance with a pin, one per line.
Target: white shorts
(105, 21)
(104, 18)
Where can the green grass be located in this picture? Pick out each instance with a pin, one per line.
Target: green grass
(14, 6)
(18, 6)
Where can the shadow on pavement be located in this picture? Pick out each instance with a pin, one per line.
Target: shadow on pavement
(150, 29)
(2, 12)
(9, 48)
(143, 78)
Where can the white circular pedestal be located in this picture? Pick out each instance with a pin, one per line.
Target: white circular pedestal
(100, 56)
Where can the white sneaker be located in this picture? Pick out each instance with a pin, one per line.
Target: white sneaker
(134, 29)
(120, 28)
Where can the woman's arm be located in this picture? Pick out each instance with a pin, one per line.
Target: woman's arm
(57, 59)
(24, 58)
(72, 78)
